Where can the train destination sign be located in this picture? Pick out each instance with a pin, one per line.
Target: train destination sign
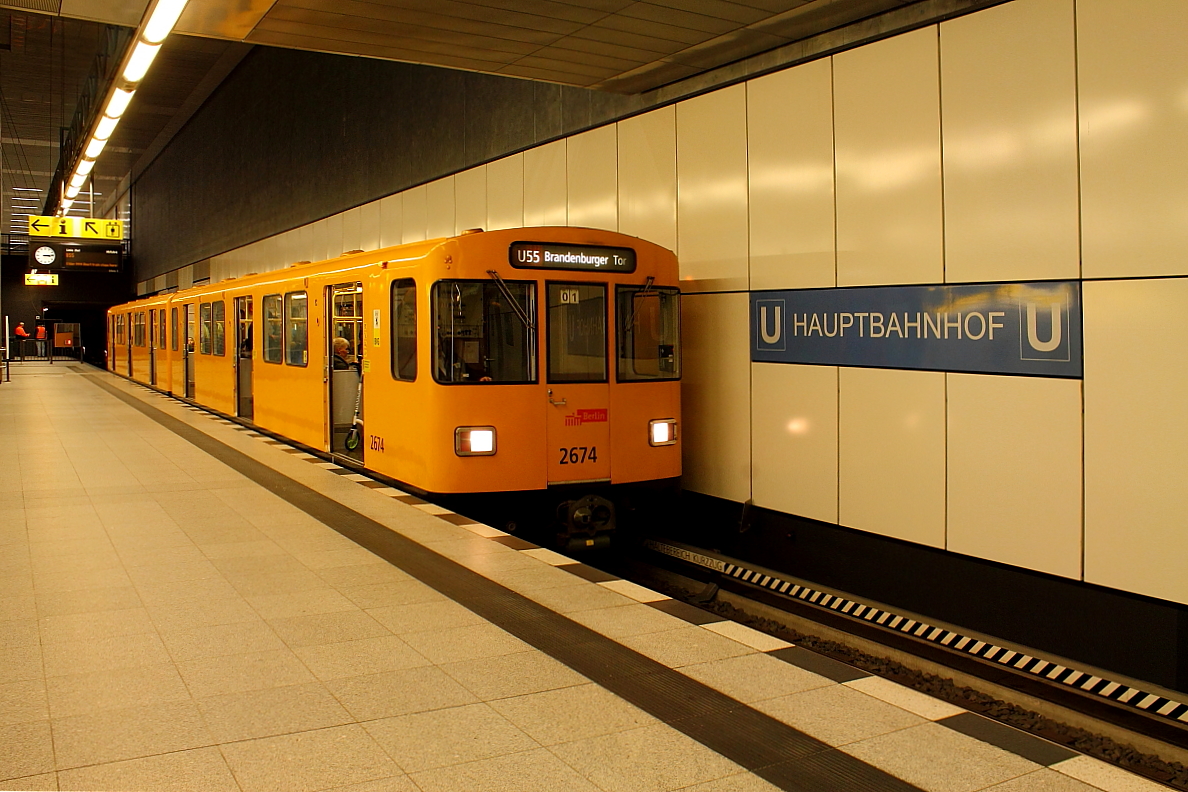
(537, 255)
(998, 328)
(62, 255)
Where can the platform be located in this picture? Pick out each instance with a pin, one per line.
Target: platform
(186, 604)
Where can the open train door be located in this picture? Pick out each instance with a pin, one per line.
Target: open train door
(579, 398)
(152, 347)
(344, 377)
(244, 334)
(188, 350)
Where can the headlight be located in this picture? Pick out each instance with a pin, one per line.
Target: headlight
(474, 441)
(662, 432)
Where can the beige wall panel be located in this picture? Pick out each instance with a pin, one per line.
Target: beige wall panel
(305, 243)
(416, 214)
(439, 200)
(715, 395)
(1136, 435)
(647, 177)
(1015, 471)
(891, 453)
(591, 177)
(470, 199)
(545, 195)
(887, 139)
(505, 193)
(320, 248)
(352, 230)
(712, 190)
(790, 130)
(333, 236)
(794, 439)
(391, 218)
(1133, 82)
(369, 225)
(1008, 82)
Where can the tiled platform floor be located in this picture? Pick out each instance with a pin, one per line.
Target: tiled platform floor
(166, 623)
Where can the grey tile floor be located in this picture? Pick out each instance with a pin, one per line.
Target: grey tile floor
(167, 624)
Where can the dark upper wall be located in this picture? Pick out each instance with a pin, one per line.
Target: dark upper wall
(291, 137)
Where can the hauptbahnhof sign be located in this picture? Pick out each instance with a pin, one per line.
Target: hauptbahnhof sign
(998, 328)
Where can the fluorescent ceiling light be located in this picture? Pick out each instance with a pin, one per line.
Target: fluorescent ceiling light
(28, 189)
(142, 58)
(107, 125)
(71, 192)
(85, 167)
(78, 180)
(163, 19)
(95, 148)
(118, 102)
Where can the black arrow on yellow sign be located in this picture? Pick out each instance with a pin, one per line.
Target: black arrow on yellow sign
(90, 228)
(38, 224)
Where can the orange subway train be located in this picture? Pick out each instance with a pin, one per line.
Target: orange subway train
(541, 362)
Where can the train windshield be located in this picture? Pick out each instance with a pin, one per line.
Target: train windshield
(577, 332)
(479, 332)
(649, 333)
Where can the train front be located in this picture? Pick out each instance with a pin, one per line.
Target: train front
(561, 350)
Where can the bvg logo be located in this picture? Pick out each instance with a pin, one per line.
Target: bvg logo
(769, 325)
(1043, 329)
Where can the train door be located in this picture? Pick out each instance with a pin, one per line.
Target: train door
(152, 347)
(344, 347)
(130, 337)
(243, 357)
(188, 350)
(578, 389)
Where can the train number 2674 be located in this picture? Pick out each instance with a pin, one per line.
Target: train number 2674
(576, 455)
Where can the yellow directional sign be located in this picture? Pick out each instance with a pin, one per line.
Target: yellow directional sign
(76, 227)
(99, 229)
(41, 279)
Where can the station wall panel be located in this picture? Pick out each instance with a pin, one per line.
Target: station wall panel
(391, 220)
(545, 194)
(891, 453)
(439, 202)
(1136, 435)
(647, 177)
(333, 238)
(591, 166)
(1008, 89)
(794, 439)
(712, 190)
(886, 105)
(790, 158)
(352, 230)
(416, 214)
(505, 193)
(1014, 471)
(320, 242)
(470, 199)
(716, 395)
(1133, 83)
(369, 226)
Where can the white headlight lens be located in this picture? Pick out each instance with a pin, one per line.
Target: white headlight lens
(474, 441)
(662, 432)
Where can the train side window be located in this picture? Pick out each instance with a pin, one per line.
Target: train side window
(161, 329)
(649, 322)
(140, 328)
(273, 327)
(404, 329)
(577, 332)
(204, 329)
(120, 329)
(173, 328)
(479, 332)
(296, 330)
(218, 318)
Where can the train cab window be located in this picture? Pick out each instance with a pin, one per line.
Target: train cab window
(273, 328)
(577, 332)
(649, 322)
(404, 329)
(204, 329)
(296, 330)
(173, 328)
(484, 332)
(218, 319)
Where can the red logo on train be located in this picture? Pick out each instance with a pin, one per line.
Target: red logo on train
(585, 416)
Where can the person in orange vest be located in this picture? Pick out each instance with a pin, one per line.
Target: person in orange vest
(19, 336)
(20, 331)
(41, 339)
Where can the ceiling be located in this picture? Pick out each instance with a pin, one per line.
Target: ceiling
(49, 47)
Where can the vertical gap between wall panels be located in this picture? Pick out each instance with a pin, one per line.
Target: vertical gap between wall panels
(940, 124)
(746, 119)
(833, 145)
(1080, 270)
(836, 369)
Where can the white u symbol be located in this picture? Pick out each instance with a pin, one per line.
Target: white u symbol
(773, 337)
(1032, 336)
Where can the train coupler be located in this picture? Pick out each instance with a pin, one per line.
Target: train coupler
(586, 523)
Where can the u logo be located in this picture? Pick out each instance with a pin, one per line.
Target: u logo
(1033, 334)
(772, 336)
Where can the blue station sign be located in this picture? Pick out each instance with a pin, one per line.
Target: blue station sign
(1030, 329)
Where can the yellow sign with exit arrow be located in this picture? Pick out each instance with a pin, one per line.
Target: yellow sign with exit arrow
(84, 227)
